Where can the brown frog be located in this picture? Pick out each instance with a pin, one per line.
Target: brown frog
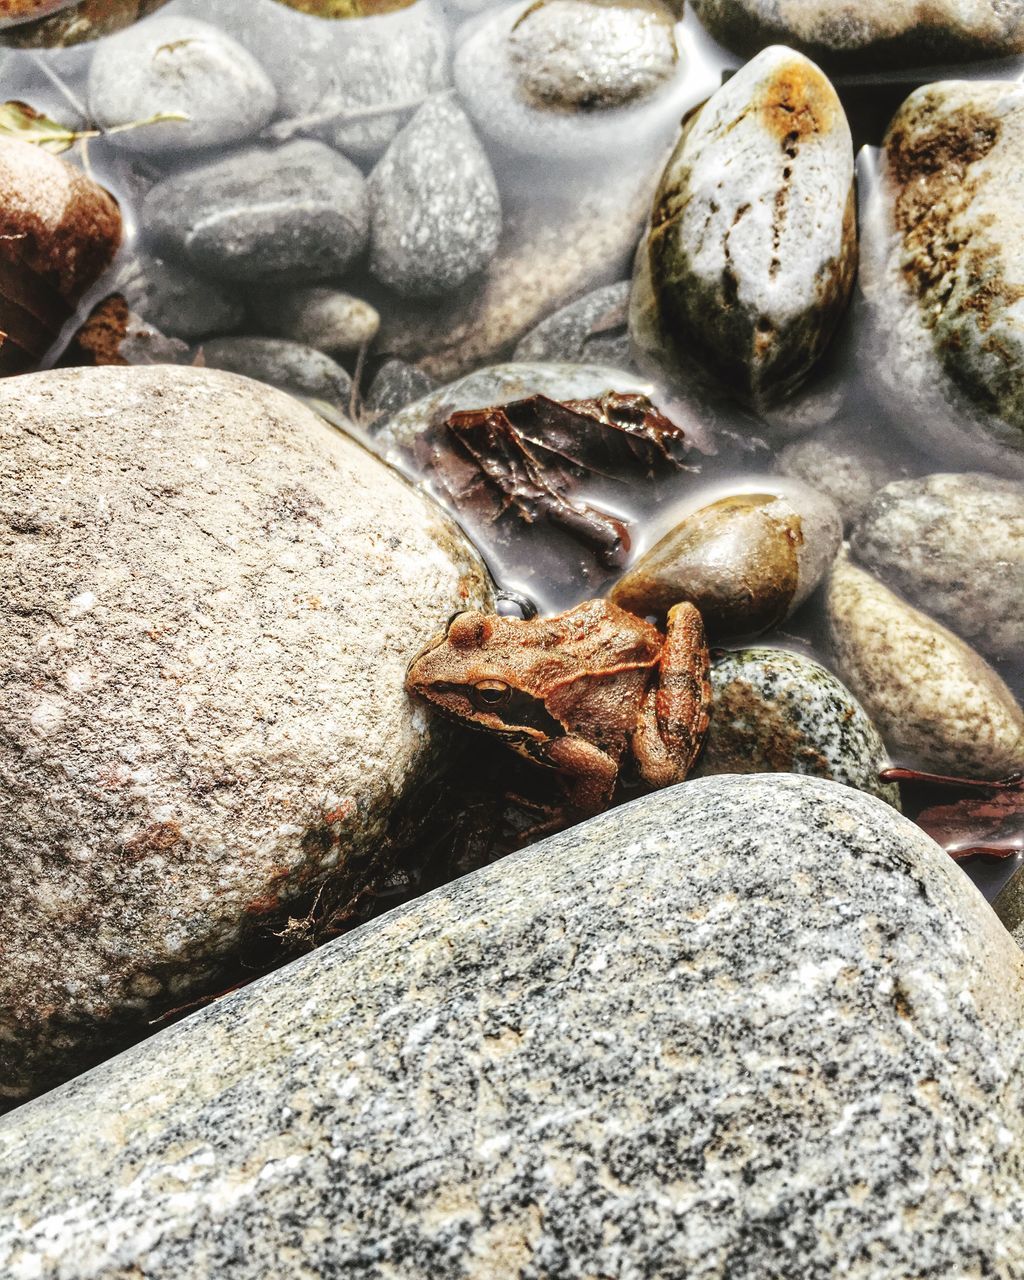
(578, 692)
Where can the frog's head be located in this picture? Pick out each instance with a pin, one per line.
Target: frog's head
(488, 673)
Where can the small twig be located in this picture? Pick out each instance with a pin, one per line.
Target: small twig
(59, 83)
(1014, 782)
(285, 129)
(355, 398)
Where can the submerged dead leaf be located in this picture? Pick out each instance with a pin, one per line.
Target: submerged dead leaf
(19, 120)
(989, 822)
(522, 461)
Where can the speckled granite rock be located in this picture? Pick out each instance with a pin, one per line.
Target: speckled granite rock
(210, 603)
(953, 544)
(395, 385)
(943, 272)
(869, 33)
(180, 65)
(937, 702)
(747, 561)
(287, 214)
(573, 78)
(289, 365)
(435, 215)
(176, 300)
(745, 1027)
(752, 250)
(781, 712)
(589, 330)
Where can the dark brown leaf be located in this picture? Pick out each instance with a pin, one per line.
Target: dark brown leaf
(522, 460)
(990, 821)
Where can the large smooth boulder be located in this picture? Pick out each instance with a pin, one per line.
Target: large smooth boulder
(744, 1027)
(210, 600)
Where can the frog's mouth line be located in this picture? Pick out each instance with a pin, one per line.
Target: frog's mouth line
(523, 714)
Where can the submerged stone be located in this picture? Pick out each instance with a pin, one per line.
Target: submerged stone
(752, 249)
(289, 365)
(744, 1027)
(943, 272)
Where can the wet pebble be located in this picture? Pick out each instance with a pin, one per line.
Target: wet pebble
(782, 712)
(292, 213)
(327, 319)
(177, 301)
(871, 32)
(289, 365)
(953, 544)
(179, 64)
(943, 272)
(937, 702)
(435, 211)
(571, 77)
(844, 462)
(747, 561)
(753, 250)
(74, 22)
(590, 330)
(395, 385)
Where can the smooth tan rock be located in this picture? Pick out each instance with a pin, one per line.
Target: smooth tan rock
(747, 561)
(938, 704)
(752, 250)
(210, 601)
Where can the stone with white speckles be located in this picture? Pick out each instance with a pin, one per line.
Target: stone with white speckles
(435, 215)
(744, 1027)
(937, 702)
(954, 544)
(211, 599)
(782, 712)
(753, 244)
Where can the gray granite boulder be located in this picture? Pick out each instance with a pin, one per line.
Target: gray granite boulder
(292, 213)
(435, 214)
(211, 598)
(752, 249)
(868, 33)
(937, 702)
(745, 1027)
(781, 712)
(588, 330)
(180, 65)
(943, 272)
(289, 365)
(953, 544)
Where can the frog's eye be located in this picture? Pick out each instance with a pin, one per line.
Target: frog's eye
(491, 693)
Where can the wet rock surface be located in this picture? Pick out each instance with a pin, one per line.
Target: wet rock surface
(752, 249)
(70, 23)
(747, 561)
(954, 545)
(180, 65)
(292, 214)
(434, 205)
(204, 641)
(870, 32)
(59, 231)
(937, 702)
(740, 1027)
(589, 330)
(176, 300)
(290, 365)
(327, 319)
(846, 463)
(943, 272)
(782, 712)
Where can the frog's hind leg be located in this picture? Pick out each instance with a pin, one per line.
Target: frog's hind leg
(676, 709)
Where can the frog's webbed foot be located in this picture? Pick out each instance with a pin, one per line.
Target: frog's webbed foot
(676, 709)
(588, 773)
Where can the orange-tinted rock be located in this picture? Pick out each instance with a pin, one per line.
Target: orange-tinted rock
(59, 232)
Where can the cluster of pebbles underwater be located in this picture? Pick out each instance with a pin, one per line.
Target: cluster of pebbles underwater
(334, 330)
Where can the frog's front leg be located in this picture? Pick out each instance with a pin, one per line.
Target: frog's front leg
(676, 710)
(588, 773)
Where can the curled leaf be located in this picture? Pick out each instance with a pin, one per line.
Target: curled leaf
(19, 120)
(522, 460)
